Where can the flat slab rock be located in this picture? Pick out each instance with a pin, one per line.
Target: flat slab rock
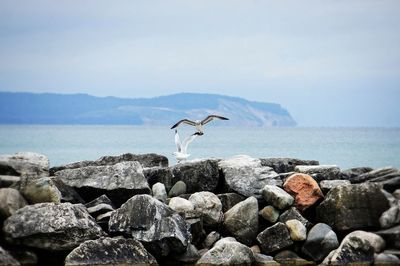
(389, 177)
(158, 227)
(146, 160)
(110, 251)
(119, 181)
(51, 226)
(320, 172)
(29, 164)
(246, 175)
(284, 165)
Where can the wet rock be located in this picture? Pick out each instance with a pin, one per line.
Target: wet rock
(227, 253)
(277, 197)
(181, 205)
(391, 236)
(288, 257)
(10, 201)
(177, 189)
(51, 226)
(28, 164)
(327, 185)
(320, 172)
(270, 214)
(352, 173)
(284, 165)
(274, 238)
(356, 247)
(146, 160)
(159, 175)
(229, 200)
(202, 175)
(211, 238)
(391, 217)
(264, 260)
(386, 259)
(191, 255)
(321, 240)
(150, 221)
(353, 207)
(41, 190)
(297, 230)
(246, 175)
(293, 213)
(110, 251)
(7, 259)
(159, 192)
(119, 182)
(304, 189)
(209, 206)
(242, 220)
(388, 177)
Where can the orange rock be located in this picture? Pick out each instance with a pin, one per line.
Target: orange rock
(304, 189)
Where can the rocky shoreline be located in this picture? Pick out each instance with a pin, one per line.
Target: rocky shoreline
(137, 210)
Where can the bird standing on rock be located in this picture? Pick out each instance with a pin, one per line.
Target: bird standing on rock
(199, 123)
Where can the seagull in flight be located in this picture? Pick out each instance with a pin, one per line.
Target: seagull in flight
(199, 123)
(181, 153)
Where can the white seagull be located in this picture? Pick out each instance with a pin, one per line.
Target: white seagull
(181, 153)
(199, 123)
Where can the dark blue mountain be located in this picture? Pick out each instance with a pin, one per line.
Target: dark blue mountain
(50, 108)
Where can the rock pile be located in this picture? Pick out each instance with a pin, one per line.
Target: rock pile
(136, 210)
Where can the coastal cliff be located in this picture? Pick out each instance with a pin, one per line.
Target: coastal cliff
(136, 209)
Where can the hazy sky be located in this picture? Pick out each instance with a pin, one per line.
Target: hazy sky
(330, 63)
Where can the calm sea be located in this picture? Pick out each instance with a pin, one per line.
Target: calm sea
(345, 147)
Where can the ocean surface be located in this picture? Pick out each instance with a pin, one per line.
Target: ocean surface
(344, 147)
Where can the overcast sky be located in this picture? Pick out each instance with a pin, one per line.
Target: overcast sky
(330, 63)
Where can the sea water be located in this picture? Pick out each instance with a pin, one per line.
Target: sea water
(345, 147)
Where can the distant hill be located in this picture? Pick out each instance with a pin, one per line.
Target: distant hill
(50, 108)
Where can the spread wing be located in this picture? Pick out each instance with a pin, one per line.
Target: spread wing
(211, 117)
(188, 140)
(177, 141)
(185, 121)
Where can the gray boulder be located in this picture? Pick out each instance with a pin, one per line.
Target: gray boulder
(40, 190)
(391, 236)
(327, 185)
(10, 201)
(158, 227)
(396, 194)
(103, 199)
(242, 220)
(28, 164)
(293, 213)
(388, 177)
(246, 175)
(51, 226)
(229, 200)
(159, 175)
(68, 194)
(356, 247)
(190, 256)
(210, 239)
(386, 259)
(209, 206)
(297, 230)
(277, 197)
(110, 251)
(284, 165)
(270, 214)
(391, 217)
(321, 240)
(159, 192)
(274, 238)
(7, 259)
(353, 207)
(320, 172)
(227, 252)
(202, 175)
(146, 160)
(350, 174)
(119, 182)
(177, 189)
(181, 205)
